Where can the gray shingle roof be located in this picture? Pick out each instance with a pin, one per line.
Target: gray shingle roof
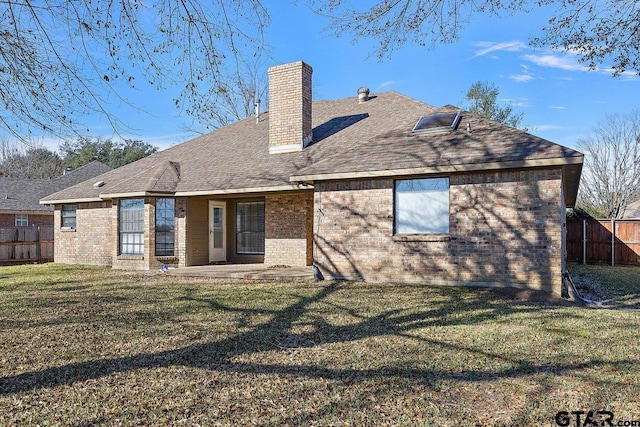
(633, 210)
(347, 137)
(23, 195)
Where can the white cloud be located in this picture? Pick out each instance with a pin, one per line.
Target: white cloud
(387, 84)
(521, 78)
(546, 128)
(624, 76)
(167, 141)
(563, 62)
(520, 102)
(557, 107)
(489, 47)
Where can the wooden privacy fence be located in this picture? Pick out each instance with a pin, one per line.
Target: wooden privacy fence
(26, 244)
(613, 241)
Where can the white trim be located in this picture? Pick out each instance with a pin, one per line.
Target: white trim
(25, 217)
(218, 204)
(245, 190)
(64, 201)
(103, 197)
(515, 164)
(281, 149)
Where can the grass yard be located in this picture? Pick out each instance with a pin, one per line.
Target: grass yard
(93, 346)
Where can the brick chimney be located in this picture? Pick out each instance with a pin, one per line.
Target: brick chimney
(289, 107)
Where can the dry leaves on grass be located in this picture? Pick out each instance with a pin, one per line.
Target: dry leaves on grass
(93, 346)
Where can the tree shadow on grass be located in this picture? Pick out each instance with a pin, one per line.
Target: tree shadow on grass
(276, 334)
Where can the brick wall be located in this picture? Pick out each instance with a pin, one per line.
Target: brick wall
(289, 107)
(288, 229)
(90, 242)
(505, 229)
(9, 219)
(181, 232)
(95, 238)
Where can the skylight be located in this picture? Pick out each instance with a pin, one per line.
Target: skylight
(437, 123)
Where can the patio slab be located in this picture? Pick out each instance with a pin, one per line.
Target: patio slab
(245, 271)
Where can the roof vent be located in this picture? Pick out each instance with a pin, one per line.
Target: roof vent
(257, 110)
(363, 95)
(437, 123)
(98, 184)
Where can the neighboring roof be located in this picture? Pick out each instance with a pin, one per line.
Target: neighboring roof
(350, 139)
(577, 213)
(23, 195)
(633, 211)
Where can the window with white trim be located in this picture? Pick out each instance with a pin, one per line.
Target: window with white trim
(68, 216)
(422, 206)
(131, 226)
(22, 220)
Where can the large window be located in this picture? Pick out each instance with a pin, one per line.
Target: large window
(131, 226)
(22, 220)
(69, 216)
(250, 228)
(422, 206)
(165, 227)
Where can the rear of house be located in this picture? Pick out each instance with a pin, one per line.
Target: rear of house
(379, 187)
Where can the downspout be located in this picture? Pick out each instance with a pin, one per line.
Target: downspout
(569, 290)
(317, 274)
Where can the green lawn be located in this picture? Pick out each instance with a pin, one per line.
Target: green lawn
(93, 346)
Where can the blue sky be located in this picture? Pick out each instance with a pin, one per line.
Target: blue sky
(560, 99)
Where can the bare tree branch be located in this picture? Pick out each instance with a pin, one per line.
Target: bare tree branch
(611, 176)
(62, 61)
(598, 31)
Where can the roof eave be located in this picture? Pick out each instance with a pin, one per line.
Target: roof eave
(271, 189)
(124, 195)
(429, 170)
(571, 182)
(64, 201)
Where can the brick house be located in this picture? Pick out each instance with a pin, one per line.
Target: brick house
(377, 187)
(19, 205)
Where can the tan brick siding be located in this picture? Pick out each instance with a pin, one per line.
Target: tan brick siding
(290, 97)
(288, 229)
(95, 238)
(181, 232)
(90, 242)
(505, 229)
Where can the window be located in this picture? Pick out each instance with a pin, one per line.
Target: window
(131, 226)
(22, 220)
(68, 215)
(250, 228)
(165, 226)
(437, 123)
(422, 206)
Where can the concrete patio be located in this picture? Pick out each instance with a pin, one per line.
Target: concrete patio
(245, 271)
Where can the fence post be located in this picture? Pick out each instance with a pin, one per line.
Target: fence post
(38, 249)
(584, 241)
(613, 242)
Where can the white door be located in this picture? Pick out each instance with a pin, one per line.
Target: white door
(217, 233)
